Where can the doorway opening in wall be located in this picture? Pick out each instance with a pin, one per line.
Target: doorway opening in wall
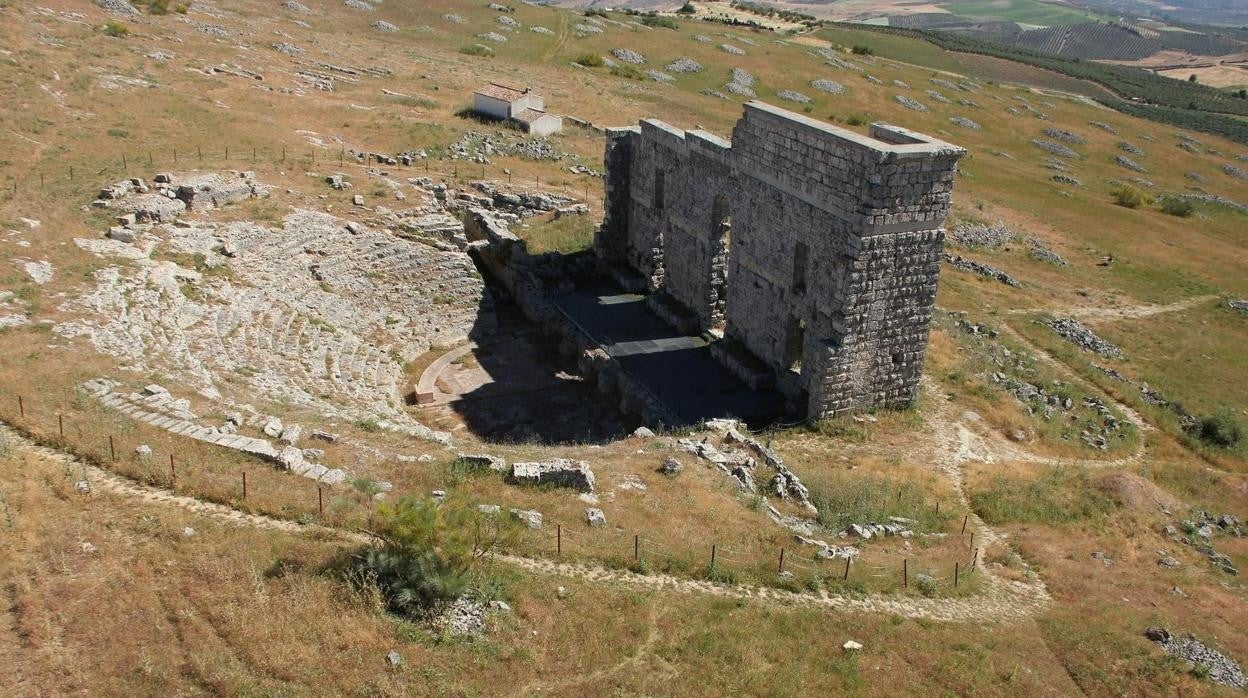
(720, 242)
(795, 336)
(659, 193)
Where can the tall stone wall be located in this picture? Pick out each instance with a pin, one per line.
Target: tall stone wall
(815, 247)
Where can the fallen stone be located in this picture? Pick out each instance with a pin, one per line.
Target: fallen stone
(530, 519)
(559, 472)
(595, 517)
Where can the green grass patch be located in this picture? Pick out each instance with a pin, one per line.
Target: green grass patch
(565, 234)
(1060, 496)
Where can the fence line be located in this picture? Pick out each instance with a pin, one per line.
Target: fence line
(32, 418)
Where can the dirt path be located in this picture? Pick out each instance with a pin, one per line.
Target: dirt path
(1000, 600)
(1129, 312)
(562, 39)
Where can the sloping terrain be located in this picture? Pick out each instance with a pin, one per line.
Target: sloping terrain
(1060, 482)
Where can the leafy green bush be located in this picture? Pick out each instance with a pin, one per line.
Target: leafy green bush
(856, 120)
(477, 50)
(427, 556)
(1221, 429)
(1176, 206)
(862, 50)
(660, 22)
(628, 71)
(1129, 196)
(589, 60)
(116, 29)
(158, 7)
(687, 9)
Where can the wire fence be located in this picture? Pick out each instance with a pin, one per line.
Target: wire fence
(779, 565)
(260, 487)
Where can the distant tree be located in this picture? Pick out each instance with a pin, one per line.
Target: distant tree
(1243, 94)
(1191, 78)
(687, 9)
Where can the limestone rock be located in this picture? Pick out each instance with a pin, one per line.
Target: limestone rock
(529, 518)
(559, 472)
(595, 517)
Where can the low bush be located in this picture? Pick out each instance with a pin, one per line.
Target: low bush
(428, 554)
(1176, 206)
(116, 29)
(477, 50)
(1129, 196)
(628, 71)
(589, 60)
(660, 22)
(1220, 429)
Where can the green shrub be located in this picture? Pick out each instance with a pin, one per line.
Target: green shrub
(926, 584)
(158, 7)
(1176, 206)
(1129, 196)
(856, 120)
(589, 60)
(595, 12)
(116, 29)
(628, 71)
(687, 9)
(1221, 429)
(477, 50)
(428, 554)
(862, 50)
(660, 22)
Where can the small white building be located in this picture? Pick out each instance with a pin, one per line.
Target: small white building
(524, 107)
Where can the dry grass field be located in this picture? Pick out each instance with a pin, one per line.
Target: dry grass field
(265, 605)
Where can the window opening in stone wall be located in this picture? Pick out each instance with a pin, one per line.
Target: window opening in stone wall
(794, 340)
(658, 188)
(800, 260)
(721, 243)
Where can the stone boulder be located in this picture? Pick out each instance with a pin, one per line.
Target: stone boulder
(559, 472)
(529, 518)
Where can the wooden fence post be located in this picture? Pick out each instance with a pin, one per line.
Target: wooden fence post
(781, 567)
(955, 573)
(559, 539)
(21, 407)
(112, 452)
(846, 577)
(712, 556)
(905, 573)
(636, 547)
(971, 545)
(124, 166)
(173, 473)
(964, 518)
(244, 485)
(320, 500)
(60, 424)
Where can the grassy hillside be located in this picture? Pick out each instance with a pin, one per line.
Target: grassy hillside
(1012, 495)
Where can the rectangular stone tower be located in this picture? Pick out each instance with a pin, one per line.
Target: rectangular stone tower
(814, 249)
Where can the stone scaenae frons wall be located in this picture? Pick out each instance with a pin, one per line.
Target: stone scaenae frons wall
(816, 250)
